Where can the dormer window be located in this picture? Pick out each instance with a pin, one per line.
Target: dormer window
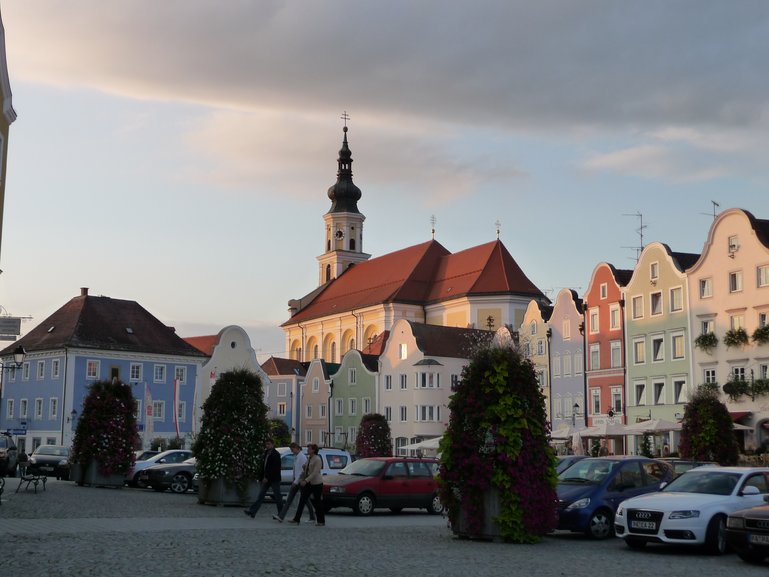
(654, 271)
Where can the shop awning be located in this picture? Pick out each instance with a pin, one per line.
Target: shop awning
(737, 415)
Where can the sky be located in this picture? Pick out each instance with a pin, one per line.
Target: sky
(179, 153)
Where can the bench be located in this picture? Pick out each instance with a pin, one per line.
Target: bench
(34, 480)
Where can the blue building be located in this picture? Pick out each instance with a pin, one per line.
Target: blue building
(97, 338)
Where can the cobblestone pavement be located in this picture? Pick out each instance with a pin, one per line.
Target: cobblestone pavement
(68, 530)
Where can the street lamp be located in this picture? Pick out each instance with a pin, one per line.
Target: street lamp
(18, 359)
(575, 410)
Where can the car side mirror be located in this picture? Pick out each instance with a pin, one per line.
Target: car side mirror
(663, 485)
(161, 460)
(751, 490)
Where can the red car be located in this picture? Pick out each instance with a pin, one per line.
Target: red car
(393, 483)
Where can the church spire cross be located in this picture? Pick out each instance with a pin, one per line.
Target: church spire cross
(345, 117)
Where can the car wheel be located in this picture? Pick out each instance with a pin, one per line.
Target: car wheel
(600, 524)
(436, 507)
(180, 483)
(365, 504)
(753, 557)
(396, 510)
(636, 544)
(715, 537)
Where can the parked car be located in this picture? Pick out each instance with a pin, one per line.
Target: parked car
(590, 490)
(334, 460)
(682, 465)
(174, 476)
(384, 482)
(8, 456)
(566, 461)
(142, 455)
(49, 460)
(747, 532)
(170, 456)
(692, 510)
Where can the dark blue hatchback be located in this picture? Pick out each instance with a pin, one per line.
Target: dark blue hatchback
(590, 490)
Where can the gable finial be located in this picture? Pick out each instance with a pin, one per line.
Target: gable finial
(498, 225)
(345, 117)
(433, 220)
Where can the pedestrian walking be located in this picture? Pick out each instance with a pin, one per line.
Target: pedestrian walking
(300, 459)
(311, 483)
(270, 479)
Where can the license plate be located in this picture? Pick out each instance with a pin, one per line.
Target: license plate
(643, 525)
(759, 539)
(46, 468)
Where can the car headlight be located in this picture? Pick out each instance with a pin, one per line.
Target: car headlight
(688, 514)
(63, 463)
(579, 504)
(735, 522)
(32, 460)
(620, 512)
(337, 490)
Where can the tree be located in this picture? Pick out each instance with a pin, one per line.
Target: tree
(374, 438)
(707, 433)
(497, 441)
(234, 427)
(280, 432)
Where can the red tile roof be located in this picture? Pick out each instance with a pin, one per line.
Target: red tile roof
(275, 366)
(421, 274)
(376, 347)
(99, 322)
(451, 342)
(204, 344)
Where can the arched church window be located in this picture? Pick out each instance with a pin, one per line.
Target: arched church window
(352, 244)
(328, 272)
(333, 352)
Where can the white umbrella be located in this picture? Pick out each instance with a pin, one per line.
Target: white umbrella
(576, 444)
(652, 426)
(565, 432)
(606, 429)
(431, 444)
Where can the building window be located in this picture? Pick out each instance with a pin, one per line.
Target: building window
(351, 376)
(708, 326)
(308, 432)
(388, 414)
(763, 371)
(658, 349)
(281, 389)
(322, 411)
(159, 410)
(616, 354)
(53, 408)
(352, 434)
(541, 378)
(678, 390)
(594, 321)
(676, 299)
(181, 411)
(734, 244)
(315, 385)
(366, 405)
(55, 369)
(404, 381)
(638, 307)
(180, 374)
(25, 372)
(595, 396)
(737, 322)
(677, 346)
(428, 413)
(9, 408)
(533, 327)
(614, 317)
(735, 281)
(540, 347)
(595, 356)
(567, 364)
(738, 373)
(604, 290)
(640, 394)
(762, 318)
(404, 413)
(656, 303)
(339, 407)
(352, 406)
(308, 411)
(135, 372)
(639, 351)
(22, 408)
(333, 352)
(388, 383)
(616, 399)
(159, 372)
(281, 409)
(566, 329)
(92, 369)
(659, 393)
(762, 274)
(556, 365)
(454, 382)
(578, 363)
(706, 288)
(40, 370)
(709, 376)
(404, 351)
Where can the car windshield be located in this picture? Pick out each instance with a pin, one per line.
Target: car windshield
(704, 481)
(587, 471)
(48, 450)
(364, 468)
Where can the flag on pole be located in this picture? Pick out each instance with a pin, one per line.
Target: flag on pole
(149, 422)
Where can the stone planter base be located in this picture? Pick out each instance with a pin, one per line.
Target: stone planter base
(218, 492)
(89, 475)
(489, 530)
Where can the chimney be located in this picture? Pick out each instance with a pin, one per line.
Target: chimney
(83, 291)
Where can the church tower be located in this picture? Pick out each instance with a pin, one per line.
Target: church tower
(344, 222)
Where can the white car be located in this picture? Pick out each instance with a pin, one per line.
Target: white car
(692, 509)
(334, 460)
(169, 456)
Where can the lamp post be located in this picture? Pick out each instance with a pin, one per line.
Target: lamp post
(18, 359)
(575, 410)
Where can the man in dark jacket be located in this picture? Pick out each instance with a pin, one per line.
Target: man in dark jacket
(270, 479)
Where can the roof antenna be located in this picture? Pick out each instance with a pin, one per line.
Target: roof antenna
(498, 225)
(640, 231)
(715, 206)
(433, 220)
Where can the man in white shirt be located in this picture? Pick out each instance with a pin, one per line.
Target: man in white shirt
(300, 459)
